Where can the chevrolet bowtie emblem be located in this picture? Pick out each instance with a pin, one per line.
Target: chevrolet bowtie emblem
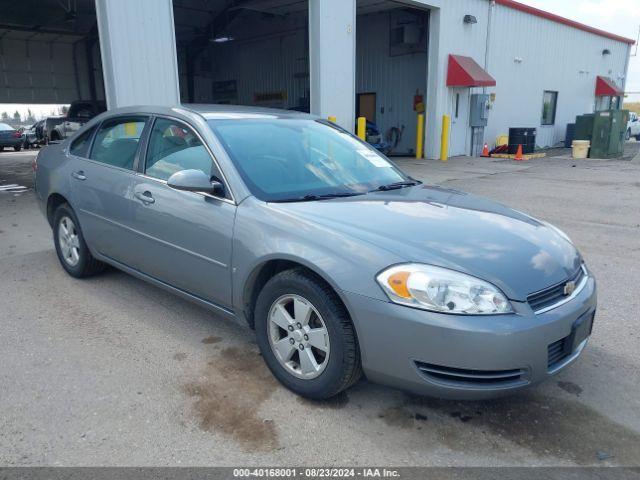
(569, 288)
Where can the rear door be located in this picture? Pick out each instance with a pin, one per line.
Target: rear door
(102, 173)
(184, 237)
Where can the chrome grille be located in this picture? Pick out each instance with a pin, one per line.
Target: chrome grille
(554, 294)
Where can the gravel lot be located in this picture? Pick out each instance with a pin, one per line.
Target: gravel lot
(112, 371)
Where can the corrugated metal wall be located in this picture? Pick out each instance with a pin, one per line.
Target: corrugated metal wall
(553, 57)
(394, 79)
(266, 58)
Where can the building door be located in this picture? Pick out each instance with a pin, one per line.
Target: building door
(366, 106)
(460, 130)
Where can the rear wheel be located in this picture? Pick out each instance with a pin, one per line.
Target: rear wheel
(306, 336)
(627, 135)
(17, 148)
(72, 251)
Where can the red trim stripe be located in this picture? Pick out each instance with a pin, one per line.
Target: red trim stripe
(564, 21)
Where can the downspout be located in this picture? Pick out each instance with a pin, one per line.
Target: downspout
(488, 40)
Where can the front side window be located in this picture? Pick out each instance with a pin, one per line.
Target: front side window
(173, 147)
(287, 159)
(549, 104)
(117, 140)
(80, 145)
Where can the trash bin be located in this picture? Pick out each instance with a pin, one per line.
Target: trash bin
(580, 148)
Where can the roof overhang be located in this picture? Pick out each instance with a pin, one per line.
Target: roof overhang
(465, 72)
(564, 21)
(605, 87)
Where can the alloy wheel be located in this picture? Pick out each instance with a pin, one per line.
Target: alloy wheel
(298, 336)
(69, 241)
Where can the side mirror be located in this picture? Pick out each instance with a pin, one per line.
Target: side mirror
(195, 181)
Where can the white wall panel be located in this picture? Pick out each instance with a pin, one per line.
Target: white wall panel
(137, 40)
(554, 57)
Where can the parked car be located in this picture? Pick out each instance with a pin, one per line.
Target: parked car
(34, 135)
(341, 262)
(79, 113)
(633, 126)
(49, 125)
(10, 137)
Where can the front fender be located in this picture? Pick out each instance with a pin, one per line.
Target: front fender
(262, 234)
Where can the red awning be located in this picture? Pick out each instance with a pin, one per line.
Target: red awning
(605, 87)
(465, 72)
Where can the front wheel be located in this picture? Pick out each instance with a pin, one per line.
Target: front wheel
(627, 135)
(305, 335)
(72, 251)
(17, 148)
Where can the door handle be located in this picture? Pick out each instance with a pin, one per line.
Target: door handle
(79, 175)
(145, 197)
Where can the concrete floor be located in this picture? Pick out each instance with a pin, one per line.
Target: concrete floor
(112, 371)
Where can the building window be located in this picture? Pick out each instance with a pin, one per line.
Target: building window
(549, 104)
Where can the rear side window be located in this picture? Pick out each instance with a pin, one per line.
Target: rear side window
(117, 141)
(80, 146)
(173, 147)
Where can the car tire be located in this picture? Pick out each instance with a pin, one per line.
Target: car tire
(339, 364)
(72, 250)
(17, 148)
(627, 136)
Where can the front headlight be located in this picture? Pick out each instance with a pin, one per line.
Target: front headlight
(442, 290)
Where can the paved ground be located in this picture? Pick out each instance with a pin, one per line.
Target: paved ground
(112, 371)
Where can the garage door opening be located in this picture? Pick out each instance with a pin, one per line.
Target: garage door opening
(391, 72)
(244, 52)
(50, 54)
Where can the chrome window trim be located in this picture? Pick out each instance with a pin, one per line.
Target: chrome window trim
(206, 145)
(575, 293)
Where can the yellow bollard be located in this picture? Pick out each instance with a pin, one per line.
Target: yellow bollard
(362, 128)
(420, 138)
(444, 141)
(332, 119)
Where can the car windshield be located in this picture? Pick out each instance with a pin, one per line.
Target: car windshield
(302, 159)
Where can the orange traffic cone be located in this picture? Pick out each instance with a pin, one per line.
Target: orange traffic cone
(519, 156)
(485, 151)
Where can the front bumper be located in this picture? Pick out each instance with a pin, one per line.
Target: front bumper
(464, 356)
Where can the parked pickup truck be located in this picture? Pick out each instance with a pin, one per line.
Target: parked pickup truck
(633, 127)
(80, 112)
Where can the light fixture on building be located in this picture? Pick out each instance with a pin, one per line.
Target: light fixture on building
(518, 59)
(470, 19)
(223, 39)
(606, 51)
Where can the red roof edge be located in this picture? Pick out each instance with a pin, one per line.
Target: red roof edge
(607, 88)
(465, 72)
(565, 21)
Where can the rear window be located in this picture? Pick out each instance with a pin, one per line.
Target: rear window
(4, 126)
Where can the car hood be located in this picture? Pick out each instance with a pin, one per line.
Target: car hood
(452, 229)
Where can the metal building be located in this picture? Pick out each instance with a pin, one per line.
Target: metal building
(387, 60)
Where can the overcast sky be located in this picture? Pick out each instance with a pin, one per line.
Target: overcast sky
(621, 17)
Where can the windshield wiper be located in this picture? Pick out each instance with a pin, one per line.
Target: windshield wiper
(397, 185)
(315, 198)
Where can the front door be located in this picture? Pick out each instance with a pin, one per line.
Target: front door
(460, 131)
(367, 106)
(184, 238)
(101, 182)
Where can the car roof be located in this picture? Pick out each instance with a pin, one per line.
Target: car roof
(212, 111)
